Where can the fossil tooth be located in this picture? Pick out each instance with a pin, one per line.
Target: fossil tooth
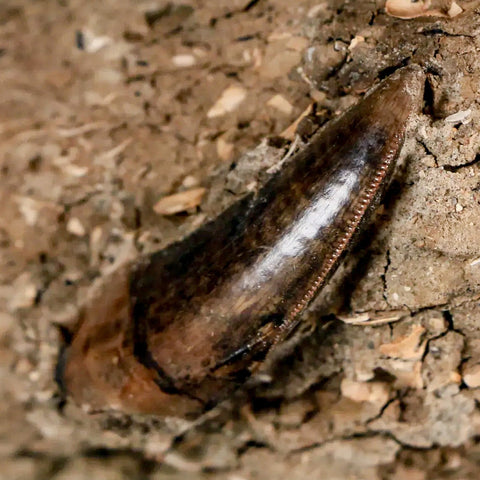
(179, 330)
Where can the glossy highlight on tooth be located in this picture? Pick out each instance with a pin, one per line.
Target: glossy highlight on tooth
(179, 330)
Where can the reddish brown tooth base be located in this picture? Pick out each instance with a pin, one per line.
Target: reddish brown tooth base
(179, 330)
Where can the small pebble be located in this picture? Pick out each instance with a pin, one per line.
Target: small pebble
(471, 376)
(23, 366)
(185, 60)
(406, 347)
(24, 292)
(179, 202)
(96, 244)
(75, 227)
(407, 9)
(356, 41)
(29, 208)
(281, 104)
(224, 149)
(229, 100)
(190, 181)
(463, 116)
(437, 323)
(372, 392)
(428, 161)
(454, 10)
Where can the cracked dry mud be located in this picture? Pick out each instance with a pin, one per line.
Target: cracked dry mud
(104, 109)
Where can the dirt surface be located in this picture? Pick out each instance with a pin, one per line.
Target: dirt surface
(107, 107)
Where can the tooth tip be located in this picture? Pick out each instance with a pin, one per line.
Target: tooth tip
(414, 73)
(410, 77)
(399, 95)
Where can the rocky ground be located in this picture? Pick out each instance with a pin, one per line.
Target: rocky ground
(108, 108)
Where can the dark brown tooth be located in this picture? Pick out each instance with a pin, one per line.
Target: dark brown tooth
(181, 329)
